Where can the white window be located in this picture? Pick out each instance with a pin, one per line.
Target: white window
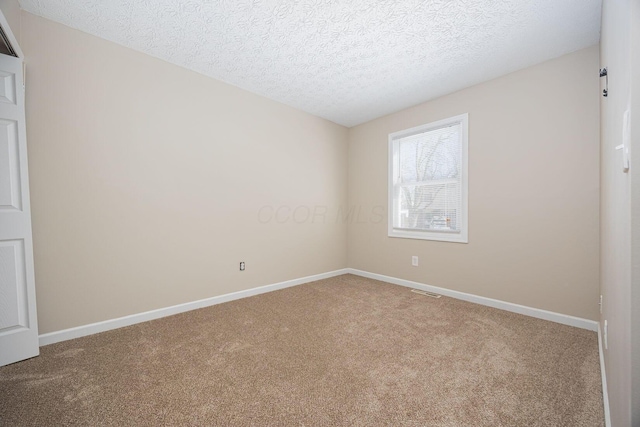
(428, 181)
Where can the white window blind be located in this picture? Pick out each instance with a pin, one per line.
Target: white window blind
(428, 181)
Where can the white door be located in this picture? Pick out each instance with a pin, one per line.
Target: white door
(18, 324)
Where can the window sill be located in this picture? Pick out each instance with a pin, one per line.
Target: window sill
(429, 235)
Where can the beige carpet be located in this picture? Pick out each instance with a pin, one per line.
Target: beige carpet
(346, 351)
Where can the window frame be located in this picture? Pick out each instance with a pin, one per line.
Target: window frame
(441, 236)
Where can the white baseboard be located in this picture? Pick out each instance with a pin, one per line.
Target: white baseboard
(94, 328)
(578, 322)
(605, 392)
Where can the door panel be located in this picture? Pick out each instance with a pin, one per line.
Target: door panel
(7, 87)
(13, 287)
(18, 322)
(9, 166)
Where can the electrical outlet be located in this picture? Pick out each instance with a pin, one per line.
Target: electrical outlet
(242, 266)
(606, 335)
(414, 261)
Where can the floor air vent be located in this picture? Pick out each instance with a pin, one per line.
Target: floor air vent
(425, 293)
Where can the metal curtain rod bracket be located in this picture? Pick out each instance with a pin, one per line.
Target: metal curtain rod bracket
(605, 74)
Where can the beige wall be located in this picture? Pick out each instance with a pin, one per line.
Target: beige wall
(11, 11)
(618, 231)
(147, 180)
(533, 198)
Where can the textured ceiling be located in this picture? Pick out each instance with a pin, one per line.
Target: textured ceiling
(345, 60)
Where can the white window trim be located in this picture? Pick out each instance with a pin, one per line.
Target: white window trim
(443, 236)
